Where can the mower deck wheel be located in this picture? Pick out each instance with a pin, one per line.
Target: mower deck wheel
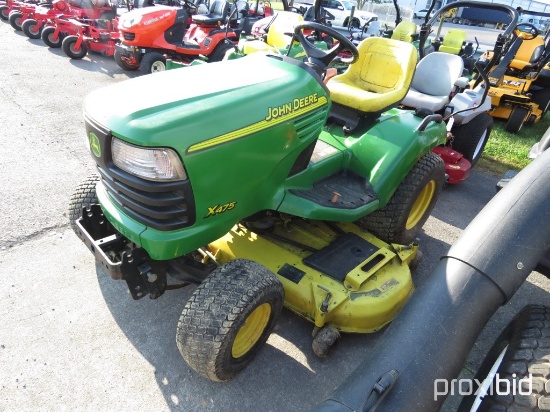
(47, 37)
(30, 30)
(229, 318)
(83, 196)
(69, 47)
(470, 138)
(411, 204)
(15, 20)
(324, 339)
(4, 15)
(122, 64)
(218, 53)
(517, 119)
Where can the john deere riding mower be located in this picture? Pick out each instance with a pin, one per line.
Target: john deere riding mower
(267, 188)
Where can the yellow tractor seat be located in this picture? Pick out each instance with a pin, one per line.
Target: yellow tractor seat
(404, 31)
(379, 79)
(284, 22)
(528, 53)
(453, 41)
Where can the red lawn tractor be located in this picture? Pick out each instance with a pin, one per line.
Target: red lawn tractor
(34, 18)
(7, 6)
(100, 36)
(149, 36)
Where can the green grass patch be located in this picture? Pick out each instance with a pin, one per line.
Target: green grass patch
(506, 151)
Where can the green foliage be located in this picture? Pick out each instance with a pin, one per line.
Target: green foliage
(505, 151)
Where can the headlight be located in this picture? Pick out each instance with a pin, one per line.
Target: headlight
(129, 21)
(148, 163)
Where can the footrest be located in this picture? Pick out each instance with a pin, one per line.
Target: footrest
(344, 190)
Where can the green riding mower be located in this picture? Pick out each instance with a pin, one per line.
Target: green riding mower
(266, 187)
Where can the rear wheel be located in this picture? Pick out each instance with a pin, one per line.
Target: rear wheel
(70, 49)
(153, 62)
(228, 318)
(542, 99)
(15, 20)
(411, 204)
(4, 12)
(517, 119)
(122, 64)
(520, 358)
(48, 38)
(83, 196)
(219, 52)
(470, 138)
(30, 29)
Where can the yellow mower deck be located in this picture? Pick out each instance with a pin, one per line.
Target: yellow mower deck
(362, 299)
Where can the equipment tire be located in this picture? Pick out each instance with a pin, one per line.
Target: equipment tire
(229, 318)
(4, 12)
(28, 28)
(411, 204)
(153, 62)
(218, 53)
(46, 36)
(69, 48)
(526, 352)
(122, 64)
(516, 119)
(15, 20)
(83, 196)
(542, 99)
(470, 138)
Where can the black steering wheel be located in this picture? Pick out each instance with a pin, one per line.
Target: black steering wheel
(526, 31)
(189, 4)
(325, 57)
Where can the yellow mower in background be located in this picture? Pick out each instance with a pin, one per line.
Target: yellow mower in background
(518, 92)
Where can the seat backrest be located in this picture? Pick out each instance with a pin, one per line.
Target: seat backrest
(529, 52)
(379, 79)
(219, 8)
(453, 41)
(437, 73)
(284, 22)
(404, 31)
(242, 8)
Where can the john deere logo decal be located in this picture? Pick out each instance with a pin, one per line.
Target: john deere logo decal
(94, 144)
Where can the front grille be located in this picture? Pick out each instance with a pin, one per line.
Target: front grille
(129, 36)
(160, 205)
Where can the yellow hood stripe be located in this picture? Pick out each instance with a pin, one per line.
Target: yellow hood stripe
(256, 127)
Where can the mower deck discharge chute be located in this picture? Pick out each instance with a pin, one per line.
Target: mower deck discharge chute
(268, 201)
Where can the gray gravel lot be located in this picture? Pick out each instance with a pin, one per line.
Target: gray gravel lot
(72, 339)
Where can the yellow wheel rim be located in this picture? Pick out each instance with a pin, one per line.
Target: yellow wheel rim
(421, 205)
(251, 331)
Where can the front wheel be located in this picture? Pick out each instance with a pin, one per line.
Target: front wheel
(470, 138)
(517, 119)
(70, 49)
(122, 64)
(228, 318)
(4, 12)
(219, 52)
(411, 204)
(515, 374)
(15, 20)
(30, 29)
(48, 37)
(83, 197)
(153, 62)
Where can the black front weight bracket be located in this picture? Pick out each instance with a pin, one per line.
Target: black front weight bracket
(118, 257)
